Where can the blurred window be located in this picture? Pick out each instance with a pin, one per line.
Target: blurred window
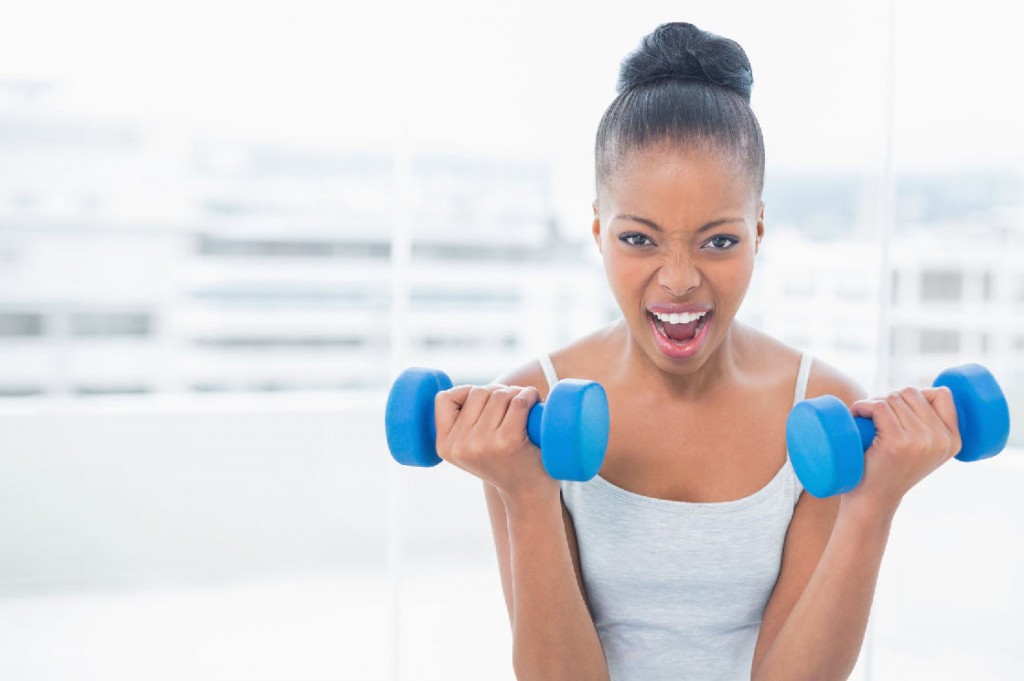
(259, 342)
(104, 324)
(220, 246)
(939, 341)
(22, 324)
(945, 286)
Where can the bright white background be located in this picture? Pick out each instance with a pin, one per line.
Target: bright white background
(269, 537)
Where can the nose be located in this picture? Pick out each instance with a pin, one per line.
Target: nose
(679, 276)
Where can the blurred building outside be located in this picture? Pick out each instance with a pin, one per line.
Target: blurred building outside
(137, 260)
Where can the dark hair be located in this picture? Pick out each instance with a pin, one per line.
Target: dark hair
(684, 86)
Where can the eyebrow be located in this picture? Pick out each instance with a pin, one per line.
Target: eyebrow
(653, 225)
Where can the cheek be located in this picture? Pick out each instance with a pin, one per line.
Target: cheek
(737, 275)
(623, 273)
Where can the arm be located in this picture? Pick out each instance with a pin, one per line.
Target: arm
(483, 431)
(553, 635)
(815, 621)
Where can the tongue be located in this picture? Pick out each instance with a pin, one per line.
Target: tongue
(681, 332)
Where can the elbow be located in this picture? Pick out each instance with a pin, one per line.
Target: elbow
(529, 666)
(836, 672)
(547, 665)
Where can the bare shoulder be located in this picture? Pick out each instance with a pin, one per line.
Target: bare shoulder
(575, 360)
(529, 374)
(584, 357)
(825, 379)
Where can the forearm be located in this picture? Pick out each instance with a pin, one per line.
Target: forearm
(553, 634)
(823, 634)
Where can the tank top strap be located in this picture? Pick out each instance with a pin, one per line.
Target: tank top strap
(549, 370)
(799, 394)
(801, 377)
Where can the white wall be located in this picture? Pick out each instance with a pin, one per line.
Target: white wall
(222, 538)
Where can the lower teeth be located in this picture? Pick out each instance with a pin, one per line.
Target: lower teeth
(696, 331)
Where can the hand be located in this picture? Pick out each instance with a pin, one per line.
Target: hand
(482, 430)
(915, 432)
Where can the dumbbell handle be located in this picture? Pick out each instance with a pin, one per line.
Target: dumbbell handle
(866, 428)
(533, 423)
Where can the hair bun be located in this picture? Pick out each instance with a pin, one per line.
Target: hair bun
(681, 51)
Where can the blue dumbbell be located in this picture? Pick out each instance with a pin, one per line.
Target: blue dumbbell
(827, 443)
(571, 428)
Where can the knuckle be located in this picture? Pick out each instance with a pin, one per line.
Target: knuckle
(499, 400)
(505, 443)
(522, 396)
(947, 443)
(464, 450)
(908, 392)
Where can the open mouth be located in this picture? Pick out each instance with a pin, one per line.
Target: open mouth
(680, 328)
(680, 335)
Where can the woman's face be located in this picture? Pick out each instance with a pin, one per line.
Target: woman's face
(677, 229)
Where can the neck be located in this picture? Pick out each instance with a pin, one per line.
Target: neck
(700, 381)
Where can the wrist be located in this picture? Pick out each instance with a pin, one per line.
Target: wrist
(531, 500)
(868, 511)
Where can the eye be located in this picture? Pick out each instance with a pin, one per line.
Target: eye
(722, 242)
(636, 239)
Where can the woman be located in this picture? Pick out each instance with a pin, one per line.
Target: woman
(695, 553)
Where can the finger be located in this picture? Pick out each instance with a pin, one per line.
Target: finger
(936, 433)
(924, 411)
(910, 423)
(496, 407)
(447, 407)
(866, 408)
(519, 409)
(881, 414)
(458, 394)
(473, 407)
(450, 406)
(941, 400)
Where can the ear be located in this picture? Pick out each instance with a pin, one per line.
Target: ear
(760, 228)
(595, 228)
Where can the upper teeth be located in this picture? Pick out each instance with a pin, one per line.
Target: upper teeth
(680, 317)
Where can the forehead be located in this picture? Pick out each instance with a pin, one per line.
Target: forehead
(677, 184)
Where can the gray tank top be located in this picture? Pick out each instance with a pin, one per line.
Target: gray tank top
(677, 589)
